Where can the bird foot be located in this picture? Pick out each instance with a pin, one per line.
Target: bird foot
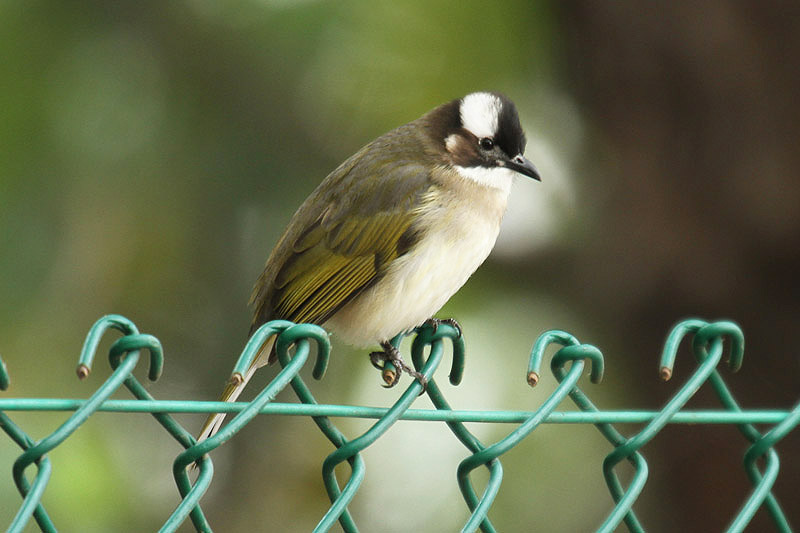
(391, 376)
(434, 323)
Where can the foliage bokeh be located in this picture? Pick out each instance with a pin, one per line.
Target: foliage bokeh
(152, 153)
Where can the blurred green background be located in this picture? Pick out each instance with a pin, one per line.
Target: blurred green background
(151, 154)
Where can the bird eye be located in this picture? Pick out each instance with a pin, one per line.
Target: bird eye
(486, 143)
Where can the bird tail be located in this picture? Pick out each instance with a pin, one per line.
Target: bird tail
(233, 390)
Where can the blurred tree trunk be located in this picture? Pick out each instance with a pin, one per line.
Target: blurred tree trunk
(699, 199)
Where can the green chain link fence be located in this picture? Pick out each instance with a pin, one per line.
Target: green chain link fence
(567, 365)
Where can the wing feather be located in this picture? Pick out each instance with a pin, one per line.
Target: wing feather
(315, 282)
(345, 234)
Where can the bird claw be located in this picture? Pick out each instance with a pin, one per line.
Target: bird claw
(390, 354)
(378, 359)
(391, 377)
(434, 324)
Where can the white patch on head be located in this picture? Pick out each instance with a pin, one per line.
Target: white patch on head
(480, 113)
(495, 177)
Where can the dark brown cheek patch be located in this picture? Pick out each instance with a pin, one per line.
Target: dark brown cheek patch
(465, 152)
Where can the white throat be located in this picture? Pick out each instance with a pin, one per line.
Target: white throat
(499, 178)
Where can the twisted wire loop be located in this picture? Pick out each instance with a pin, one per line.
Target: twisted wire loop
(628, 447)
(338, 508)
(348, 450)
(288, 335)
(762, 445)
(763, 481)
(31, 504)
(125, 352)
(572, 351)
(133, 343)
(623, 509)
(34, 452)
(427, 337)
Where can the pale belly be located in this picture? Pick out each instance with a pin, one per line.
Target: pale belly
(418, 283)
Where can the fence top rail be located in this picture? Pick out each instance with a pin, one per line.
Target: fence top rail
(621, 416)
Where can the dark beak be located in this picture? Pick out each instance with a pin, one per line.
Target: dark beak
(519, 164)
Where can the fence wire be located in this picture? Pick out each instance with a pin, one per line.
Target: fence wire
(293, 349)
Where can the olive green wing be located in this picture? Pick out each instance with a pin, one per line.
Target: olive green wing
(329, 266)
(342, 238)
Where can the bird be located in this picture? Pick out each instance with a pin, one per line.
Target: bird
(393, 232)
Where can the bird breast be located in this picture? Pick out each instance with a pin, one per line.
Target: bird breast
(459, 221)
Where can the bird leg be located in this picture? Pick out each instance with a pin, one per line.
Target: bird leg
(392, 355)
(435, 322)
